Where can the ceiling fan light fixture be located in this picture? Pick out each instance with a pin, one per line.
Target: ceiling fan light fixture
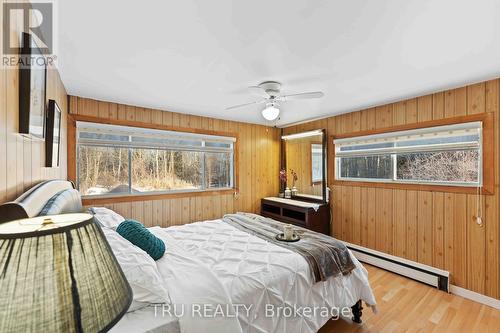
(271, 112)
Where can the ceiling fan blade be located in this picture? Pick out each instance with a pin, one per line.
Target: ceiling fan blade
(307, 95)
(259, 91)
(246, 104)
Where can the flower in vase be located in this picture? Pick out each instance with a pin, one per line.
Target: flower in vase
(283, 176)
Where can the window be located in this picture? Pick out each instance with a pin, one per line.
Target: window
(317, 162)
(444, 155)
(121, 160)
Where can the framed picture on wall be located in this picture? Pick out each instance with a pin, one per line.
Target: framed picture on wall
(32, 86)
(53, 137)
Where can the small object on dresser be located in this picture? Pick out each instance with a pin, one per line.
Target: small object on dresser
(288, 193)
(281, 195)
(294, 191)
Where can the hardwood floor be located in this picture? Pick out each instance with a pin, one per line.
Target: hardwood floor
(405, 305)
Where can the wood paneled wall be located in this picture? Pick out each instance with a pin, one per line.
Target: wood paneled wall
(22, 160)
(259, 157)
(433, 228)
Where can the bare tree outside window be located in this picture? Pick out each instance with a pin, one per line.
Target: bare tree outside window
(106, 170)
(217, 170)
(369, 167)
(164, 170)
(445, 166)
(102, 170)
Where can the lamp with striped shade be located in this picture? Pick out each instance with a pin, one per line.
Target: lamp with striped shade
(58, 274)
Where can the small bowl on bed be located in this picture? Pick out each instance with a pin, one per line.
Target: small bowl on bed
(281, 238)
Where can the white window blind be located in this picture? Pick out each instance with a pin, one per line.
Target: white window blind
(136, 137)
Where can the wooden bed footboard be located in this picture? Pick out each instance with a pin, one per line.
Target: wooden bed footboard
(357, 312)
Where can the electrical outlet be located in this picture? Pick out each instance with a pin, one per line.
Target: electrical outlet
(479, 220)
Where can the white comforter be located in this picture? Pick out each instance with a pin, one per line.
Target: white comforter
(214, 265)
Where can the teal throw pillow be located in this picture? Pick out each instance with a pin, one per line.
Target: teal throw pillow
(141, 237)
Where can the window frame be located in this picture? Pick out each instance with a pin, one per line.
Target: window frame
(153, 195)
(486, 158)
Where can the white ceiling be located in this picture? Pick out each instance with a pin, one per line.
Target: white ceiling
(198, 57)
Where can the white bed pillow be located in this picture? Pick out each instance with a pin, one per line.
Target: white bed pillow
(139, 269)
(107, 217)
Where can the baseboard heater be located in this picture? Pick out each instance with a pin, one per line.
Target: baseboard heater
(413, 270)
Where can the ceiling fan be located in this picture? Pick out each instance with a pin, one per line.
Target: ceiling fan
(270, 93)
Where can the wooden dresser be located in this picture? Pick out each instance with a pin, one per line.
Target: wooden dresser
(304, 214)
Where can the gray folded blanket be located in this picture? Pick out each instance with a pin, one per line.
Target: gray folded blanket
(325, 255)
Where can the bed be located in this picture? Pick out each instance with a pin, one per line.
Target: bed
(222, 278)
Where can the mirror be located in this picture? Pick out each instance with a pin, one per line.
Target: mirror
(304, 161)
